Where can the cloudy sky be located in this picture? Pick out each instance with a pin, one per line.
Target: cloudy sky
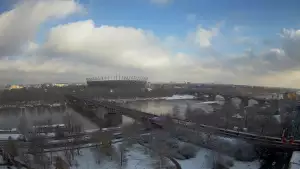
(253, 42)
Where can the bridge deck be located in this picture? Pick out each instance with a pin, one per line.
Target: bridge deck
(193, 127)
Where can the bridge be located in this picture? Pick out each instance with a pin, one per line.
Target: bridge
(244, 98)
(274, 142)
(90, 105)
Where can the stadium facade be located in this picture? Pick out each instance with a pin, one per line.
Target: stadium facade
(114, 82)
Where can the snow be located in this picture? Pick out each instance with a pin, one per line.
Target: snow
(46, 134)
(179, 97)
(111, 129)
(246, 165)
(13, 136)
(137, 158)
(9, 130)
(295, 157)
(53, 125)
(205, 158)
(56, 105)
(91, 130)
(294, 166)
(212, 102)
(202, 160)
(207, 107)
(295, 160)
(238, 116)
(278, 118)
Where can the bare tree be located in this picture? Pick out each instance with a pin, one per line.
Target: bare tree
(176, 111)
(72, 124)
(36, 148)
(122, 155)
(26, 158)
(60, 163)
(105, 140)
(23, 125)
(130, 132)
(11, 147)
(221, 162)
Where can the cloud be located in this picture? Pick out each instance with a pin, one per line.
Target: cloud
(245, 40)
(203, 37)
(239, 28)
(105, 45)
(291, 43)
(76, 50)
(19, 25)
(119, 49)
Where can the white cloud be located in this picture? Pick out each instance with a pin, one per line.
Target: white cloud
(76, 50)
(239, 28)
(203, 37)
(291, 43)
(106, 45)
(120, 49)
(19, 25)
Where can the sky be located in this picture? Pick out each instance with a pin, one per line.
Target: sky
(250, 42)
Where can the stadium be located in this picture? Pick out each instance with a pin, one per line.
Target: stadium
(117, 82)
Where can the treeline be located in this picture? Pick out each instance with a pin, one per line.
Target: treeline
(56, 94)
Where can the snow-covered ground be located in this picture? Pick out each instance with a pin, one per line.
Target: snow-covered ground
(90, 158)
(295, 160)
(5, 167)
(205, 160)
(13, 136)
(9, 130)
(179, 97)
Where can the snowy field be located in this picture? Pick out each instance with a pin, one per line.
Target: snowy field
(205, 160)
(135, 157)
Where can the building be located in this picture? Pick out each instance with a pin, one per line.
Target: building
(12, 87)
(118, 82)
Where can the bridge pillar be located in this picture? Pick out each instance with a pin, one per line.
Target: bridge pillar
(227, 98)
(274, 104)
(113, 118)
(244, 102)
(101, 112)
(211, 97)
(261, 102)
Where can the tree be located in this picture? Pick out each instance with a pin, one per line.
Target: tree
(188, 151)
(60, 163)
(105, 140)
(221, 162)
(11, 147)
(176, 111)
(123, 158)
(188, 110)
(129, 132)
(59, 132)
(23, 125)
